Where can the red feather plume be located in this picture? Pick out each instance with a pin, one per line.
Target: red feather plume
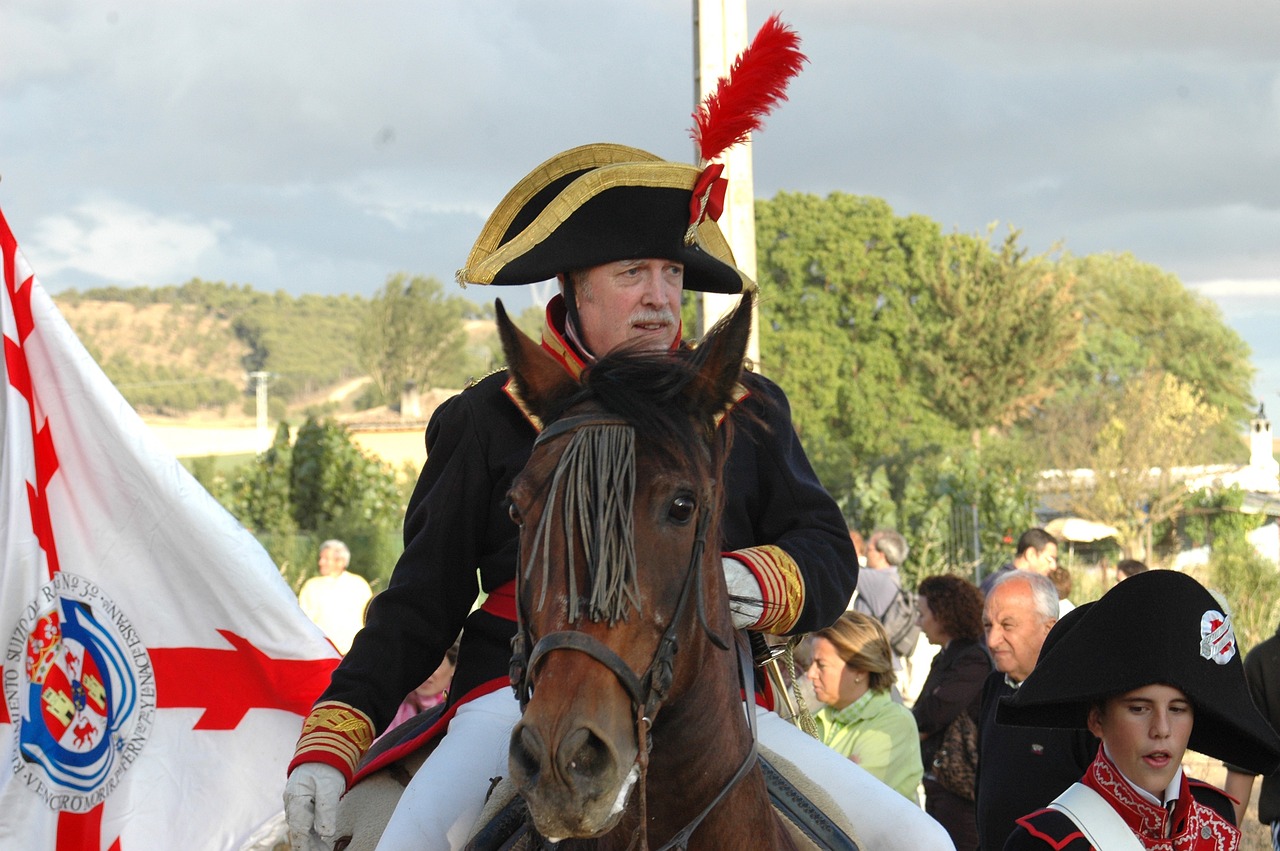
(756, 81)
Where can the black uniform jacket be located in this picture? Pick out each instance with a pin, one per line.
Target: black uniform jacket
(459, 540)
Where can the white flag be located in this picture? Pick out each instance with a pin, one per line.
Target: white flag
(155, 666)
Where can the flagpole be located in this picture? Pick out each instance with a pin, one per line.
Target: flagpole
(719, 35)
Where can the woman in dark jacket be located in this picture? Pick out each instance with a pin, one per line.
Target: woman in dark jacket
(950, 617)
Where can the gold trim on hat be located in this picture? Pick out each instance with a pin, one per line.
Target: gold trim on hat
(659, 174)
(575, 159)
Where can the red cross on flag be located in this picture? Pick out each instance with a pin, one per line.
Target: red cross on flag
(155, 666)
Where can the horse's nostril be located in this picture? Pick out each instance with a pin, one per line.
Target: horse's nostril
(526, 752)
(584, 755)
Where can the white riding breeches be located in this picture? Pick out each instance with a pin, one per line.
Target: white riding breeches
(441, 804)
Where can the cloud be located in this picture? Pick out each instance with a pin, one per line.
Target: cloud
(296, 145)
(118, 243)
(1253, 295)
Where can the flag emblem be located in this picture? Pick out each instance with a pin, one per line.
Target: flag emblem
(88, 701)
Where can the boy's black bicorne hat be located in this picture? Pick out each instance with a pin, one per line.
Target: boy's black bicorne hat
(1163, 627)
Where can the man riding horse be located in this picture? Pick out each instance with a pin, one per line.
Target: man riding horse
(624, 233)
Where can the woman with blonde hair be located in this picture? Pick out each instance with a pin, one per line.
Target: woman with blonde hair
(852, 673)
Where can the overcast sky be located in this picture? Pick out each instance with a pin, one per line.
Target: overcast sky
(316, 147)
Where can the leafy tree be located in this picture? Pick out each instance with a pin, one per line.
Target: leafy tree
(1117, 456)
(991, 331)
(1213, 516)
(1248, 581)
(839, 284)
(1251, 586)
(896, 344)
(331, 480)
(1138, 318)
(952, 507)
(260, 494)
(410, 333)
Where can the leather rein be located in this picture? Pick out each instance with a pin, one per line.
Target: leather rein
(648, 690)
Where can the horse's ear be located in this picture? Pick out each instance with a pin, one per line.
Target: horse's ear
(721, 355)
(543, 383)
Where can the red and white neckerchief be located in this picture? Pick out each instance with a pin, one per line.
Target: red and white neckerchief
(1193, 826)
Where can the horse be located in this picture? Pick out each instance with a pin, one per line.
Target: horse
(633, 723)
(629, 670)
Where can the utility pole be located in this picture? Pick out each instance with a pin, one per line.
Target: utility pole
(719, 35)
(264, 435)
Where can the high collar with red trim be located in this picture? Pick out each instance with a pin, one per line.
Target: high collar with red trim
(565, 345)
(557, 343)
(1193, 826)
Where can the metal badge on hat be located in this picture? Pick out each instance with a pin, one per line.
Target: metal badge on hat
(1217, 638)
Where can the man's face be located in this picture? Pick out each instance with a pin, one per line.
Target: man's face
(631, 302)
(1015, 630)
(330, 562)
(1146, 732)
(1042, 561)
(875, 558)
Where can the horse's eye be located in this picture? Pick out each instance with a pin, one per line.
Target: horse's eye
(682, 508)
(514, 513)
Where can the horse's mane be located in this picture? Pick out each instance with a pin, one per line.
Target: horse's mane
(650, 392)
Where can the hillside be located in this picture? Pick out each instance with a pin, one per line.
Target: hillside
(186, 337)
(185, 353)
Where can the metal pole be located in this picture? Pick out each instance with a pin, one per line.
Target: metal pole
(264, 436)
(719, 35)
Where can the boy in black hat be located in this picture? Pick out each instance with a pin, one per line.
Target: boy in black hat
(1151, 669)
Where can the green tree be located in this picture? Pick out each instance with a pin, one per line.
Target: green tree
(1213, 516)
(1117, 457)
(1138, 318)
(839, 283)
(259, 494)
(991, 333)
(1251, 586)
(410, 333)
(331, 481)
(953, 508)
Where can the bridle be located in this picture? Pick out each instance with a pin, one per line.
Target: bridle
(649, 690)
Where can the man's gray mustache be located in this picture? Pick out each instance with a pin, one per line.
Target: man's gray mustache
(649, 317)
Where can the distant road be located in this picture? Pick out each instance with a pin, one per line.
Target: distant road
(396, 447)
(195, 441)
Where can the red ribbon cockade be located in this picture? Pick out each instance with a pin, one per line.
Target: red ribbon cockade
(708, 197)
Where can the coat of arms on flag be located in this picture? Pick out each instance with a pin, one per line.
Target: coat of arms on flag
(89, 702)
(155, 667)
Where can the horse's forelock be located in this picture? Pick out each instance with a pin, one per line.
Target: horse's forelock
(651, 392)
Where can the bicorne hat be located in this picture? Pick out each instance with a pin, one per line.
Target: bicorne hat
(601, 203)
(1162, 627)
(596, 204)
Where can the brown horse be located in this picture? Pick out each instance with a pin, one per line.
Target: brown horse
(634, 730)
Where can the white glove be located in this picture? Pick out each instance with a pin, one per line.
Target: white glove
(746, 600)
(311, 806)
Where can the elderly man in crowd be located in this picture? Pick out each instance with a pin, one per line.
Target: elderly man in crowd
(1020, 769)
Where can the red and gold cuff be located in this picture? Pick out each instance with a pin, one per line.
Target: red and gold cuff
(781, 586)
(336, 734)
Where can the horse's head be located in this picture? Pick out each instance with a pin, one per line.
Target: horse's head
(619, 565)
